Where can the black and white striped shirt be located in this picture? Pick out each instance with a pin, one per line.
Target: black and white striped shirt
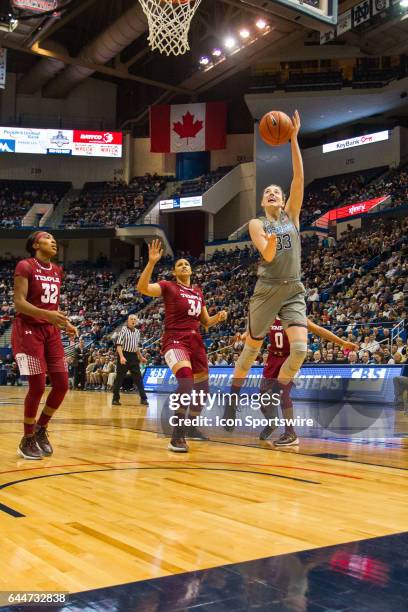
(129, 339)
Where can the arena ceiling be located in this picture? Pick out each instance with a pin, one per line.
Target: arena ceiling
(91, 38)
(321, 111)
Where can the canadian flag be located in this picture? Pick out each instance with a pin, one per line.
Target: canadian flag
(179, 128)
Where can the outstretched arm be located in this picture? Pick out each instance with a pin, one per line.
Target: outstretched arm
(294, 203)
(329, 336)
(144, 285)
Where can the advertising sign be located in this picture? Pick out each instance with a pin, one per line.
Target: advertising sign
(60, 142)
(176, 203)
(355, 142)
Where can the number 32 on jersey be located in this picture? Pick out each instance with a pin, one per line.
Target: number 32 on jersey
(49, 293)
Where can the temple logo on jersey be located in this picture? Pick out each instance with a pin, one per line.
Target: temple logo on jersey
(190, 296)
(48, 279)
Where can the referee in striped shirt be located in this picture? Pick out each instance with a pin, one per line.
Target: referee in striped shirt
(129, 357)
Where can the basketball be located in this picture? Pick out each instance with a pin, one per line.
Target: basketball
(275, 128)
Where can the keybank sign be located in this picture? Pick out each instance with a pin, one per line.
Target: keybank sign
(355, 142)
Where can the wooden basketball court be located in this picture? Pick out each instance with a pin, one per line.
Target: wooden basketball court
(114, 506)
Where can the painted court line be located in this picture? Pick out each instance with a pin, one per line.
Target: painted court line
(204, 461)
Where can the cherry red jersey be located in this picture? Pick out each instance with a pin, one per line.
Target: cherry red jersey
(44, 286)
(279, 343)
(183, 306)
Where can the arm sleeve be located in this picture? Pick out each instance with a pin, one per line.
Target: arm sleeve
(23, 268)
(164, 286)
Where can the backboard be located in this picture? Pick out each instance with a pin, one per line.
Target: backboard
(316, 14)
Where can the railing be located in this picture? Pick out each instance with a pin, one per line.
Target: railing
(152, 213)
(397, 330)
(240, 232)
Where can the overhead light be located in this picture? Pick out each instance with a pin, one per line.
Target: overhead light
(260, 24)
(229, 42)
(216, 52)
(404, 3)
(8, 24)
(244, 33)
(204, 60)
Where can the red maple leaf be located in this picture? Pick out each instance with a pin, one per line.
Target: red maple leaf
(188, 128)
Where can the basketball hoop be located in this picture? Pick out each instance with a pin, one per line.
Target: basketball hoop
(169, 24)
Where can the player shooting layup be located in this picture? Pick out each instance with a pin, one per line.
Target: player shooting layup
(278, 291)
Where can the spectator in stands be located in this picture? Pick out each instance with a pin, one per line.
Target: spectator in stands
(114, 204)
(79, 361)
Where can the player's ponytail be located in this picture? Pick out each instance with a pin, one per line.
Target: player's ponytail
(31, 240)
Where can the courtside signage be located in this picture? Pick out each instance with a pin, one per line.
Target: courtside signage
(372, 383)
(176, 203)
(60, 142)
(356, 142)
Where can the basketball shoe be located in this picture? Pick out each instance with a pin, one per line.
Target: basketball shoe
(288, 438)
(29, 449)
(41, 437)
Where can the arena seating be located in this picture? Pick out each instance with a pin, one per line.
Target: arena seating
(94, 307)
(357, 286)
(17, 197)
(98, 306)
(7, 266)
(374, 77)
(363, 284)
(334, 191)
(201, 184)
(360, 77)
(395, 183)
(114, 204)
(314, 82)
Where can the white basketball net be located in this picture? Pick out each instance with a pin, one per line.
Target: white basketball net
(169, 24)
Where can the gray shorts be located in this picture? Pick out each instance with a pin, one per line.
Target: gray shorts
(285, 300)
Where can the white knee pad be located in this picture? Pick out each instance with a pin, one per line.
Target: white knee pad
(292, 365)
(247, 357)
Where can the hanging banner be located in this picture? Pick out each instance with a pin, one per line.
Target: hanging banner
(3, 68)
(327, 36)
(379, 6)
(361, 13)
(344, 23)
(179, 128)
